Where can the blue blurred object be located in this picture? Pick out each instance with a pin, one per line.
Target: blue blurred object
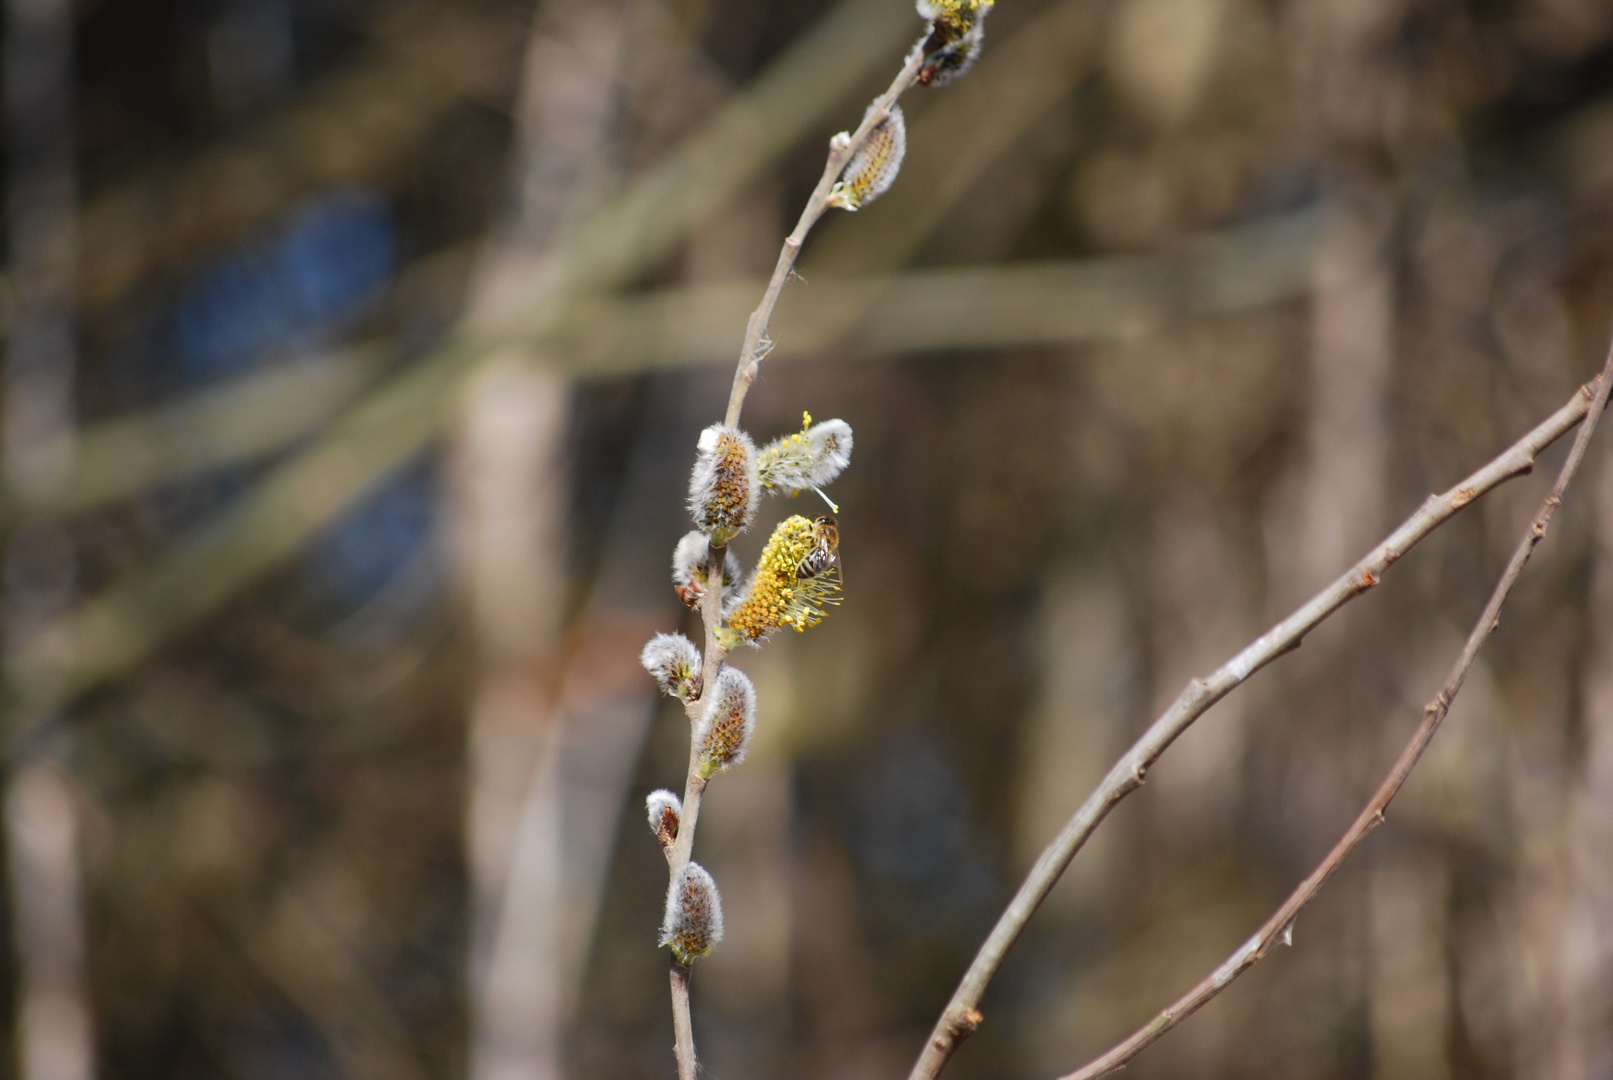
(299, 284)
(383, 540)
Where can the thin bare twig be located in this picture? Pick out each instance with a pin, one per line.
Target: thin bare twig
(840, 152)
(1280, 925)
(755, 347)
(961, 1015)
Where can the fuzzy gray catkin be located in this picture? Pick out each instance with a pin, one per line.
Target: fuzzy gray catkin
(954, 60)
(689, 569)
(666, 814)
(724, 731)
(674, 662)
(873, 168)
(692, 925)
(812, 457)
(957, 31)
(723, 488)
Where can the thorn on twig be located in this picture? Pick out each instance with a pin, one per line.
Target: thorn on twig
(1288, 935)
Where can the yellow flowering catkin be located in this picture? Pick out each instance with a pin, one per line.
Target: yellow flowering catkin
(958, 13)
(812, 457)
(776, 597)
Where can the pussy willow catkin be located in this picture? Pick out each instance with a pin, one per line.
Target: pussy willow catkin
(776, 597)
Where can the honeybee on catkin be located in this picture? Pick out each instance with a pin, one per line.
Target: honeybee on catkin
(825, 551)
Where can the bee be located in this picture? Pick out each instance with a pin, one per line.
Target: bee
(825, 552)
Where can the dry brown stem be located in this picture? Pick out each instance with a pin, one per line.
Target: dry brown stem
(1280, 925)
(1127, 775)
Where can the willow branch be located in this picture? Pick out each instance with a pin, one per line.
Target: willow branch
(841, 151)
(754, 349)
(961, 1015)
(1280, 926)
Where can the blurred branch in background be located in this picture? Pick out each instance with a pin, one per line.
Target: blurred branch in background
(53, 1029)
(1588, 929)
(236, 422)
(1114, 298)
(510, 511)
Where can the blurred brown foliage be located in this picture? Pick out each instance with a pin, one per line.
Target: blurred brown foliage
(1284, 267)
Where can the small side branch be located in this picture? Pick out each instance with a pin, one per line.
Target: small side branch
(1280, 925)
(1127, 774)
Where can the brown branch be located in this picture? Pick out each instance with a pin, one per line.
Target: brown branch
(1127, 775)
(1280, 925)
(755, 347)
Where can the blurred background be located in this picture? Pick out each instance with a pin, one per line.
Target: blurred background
(356, 354)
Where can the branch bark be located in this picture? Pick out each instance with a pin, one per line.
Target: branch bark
(1129, 772)
(1280, 925)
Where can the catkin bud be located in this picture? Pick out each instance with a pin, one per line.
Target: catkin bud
(692, 925)
(689, 569)
(812, 457)
(723, 488)
(675, 663)
(873, 168)
(724, 731)
(666, 812)
(776, 596)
